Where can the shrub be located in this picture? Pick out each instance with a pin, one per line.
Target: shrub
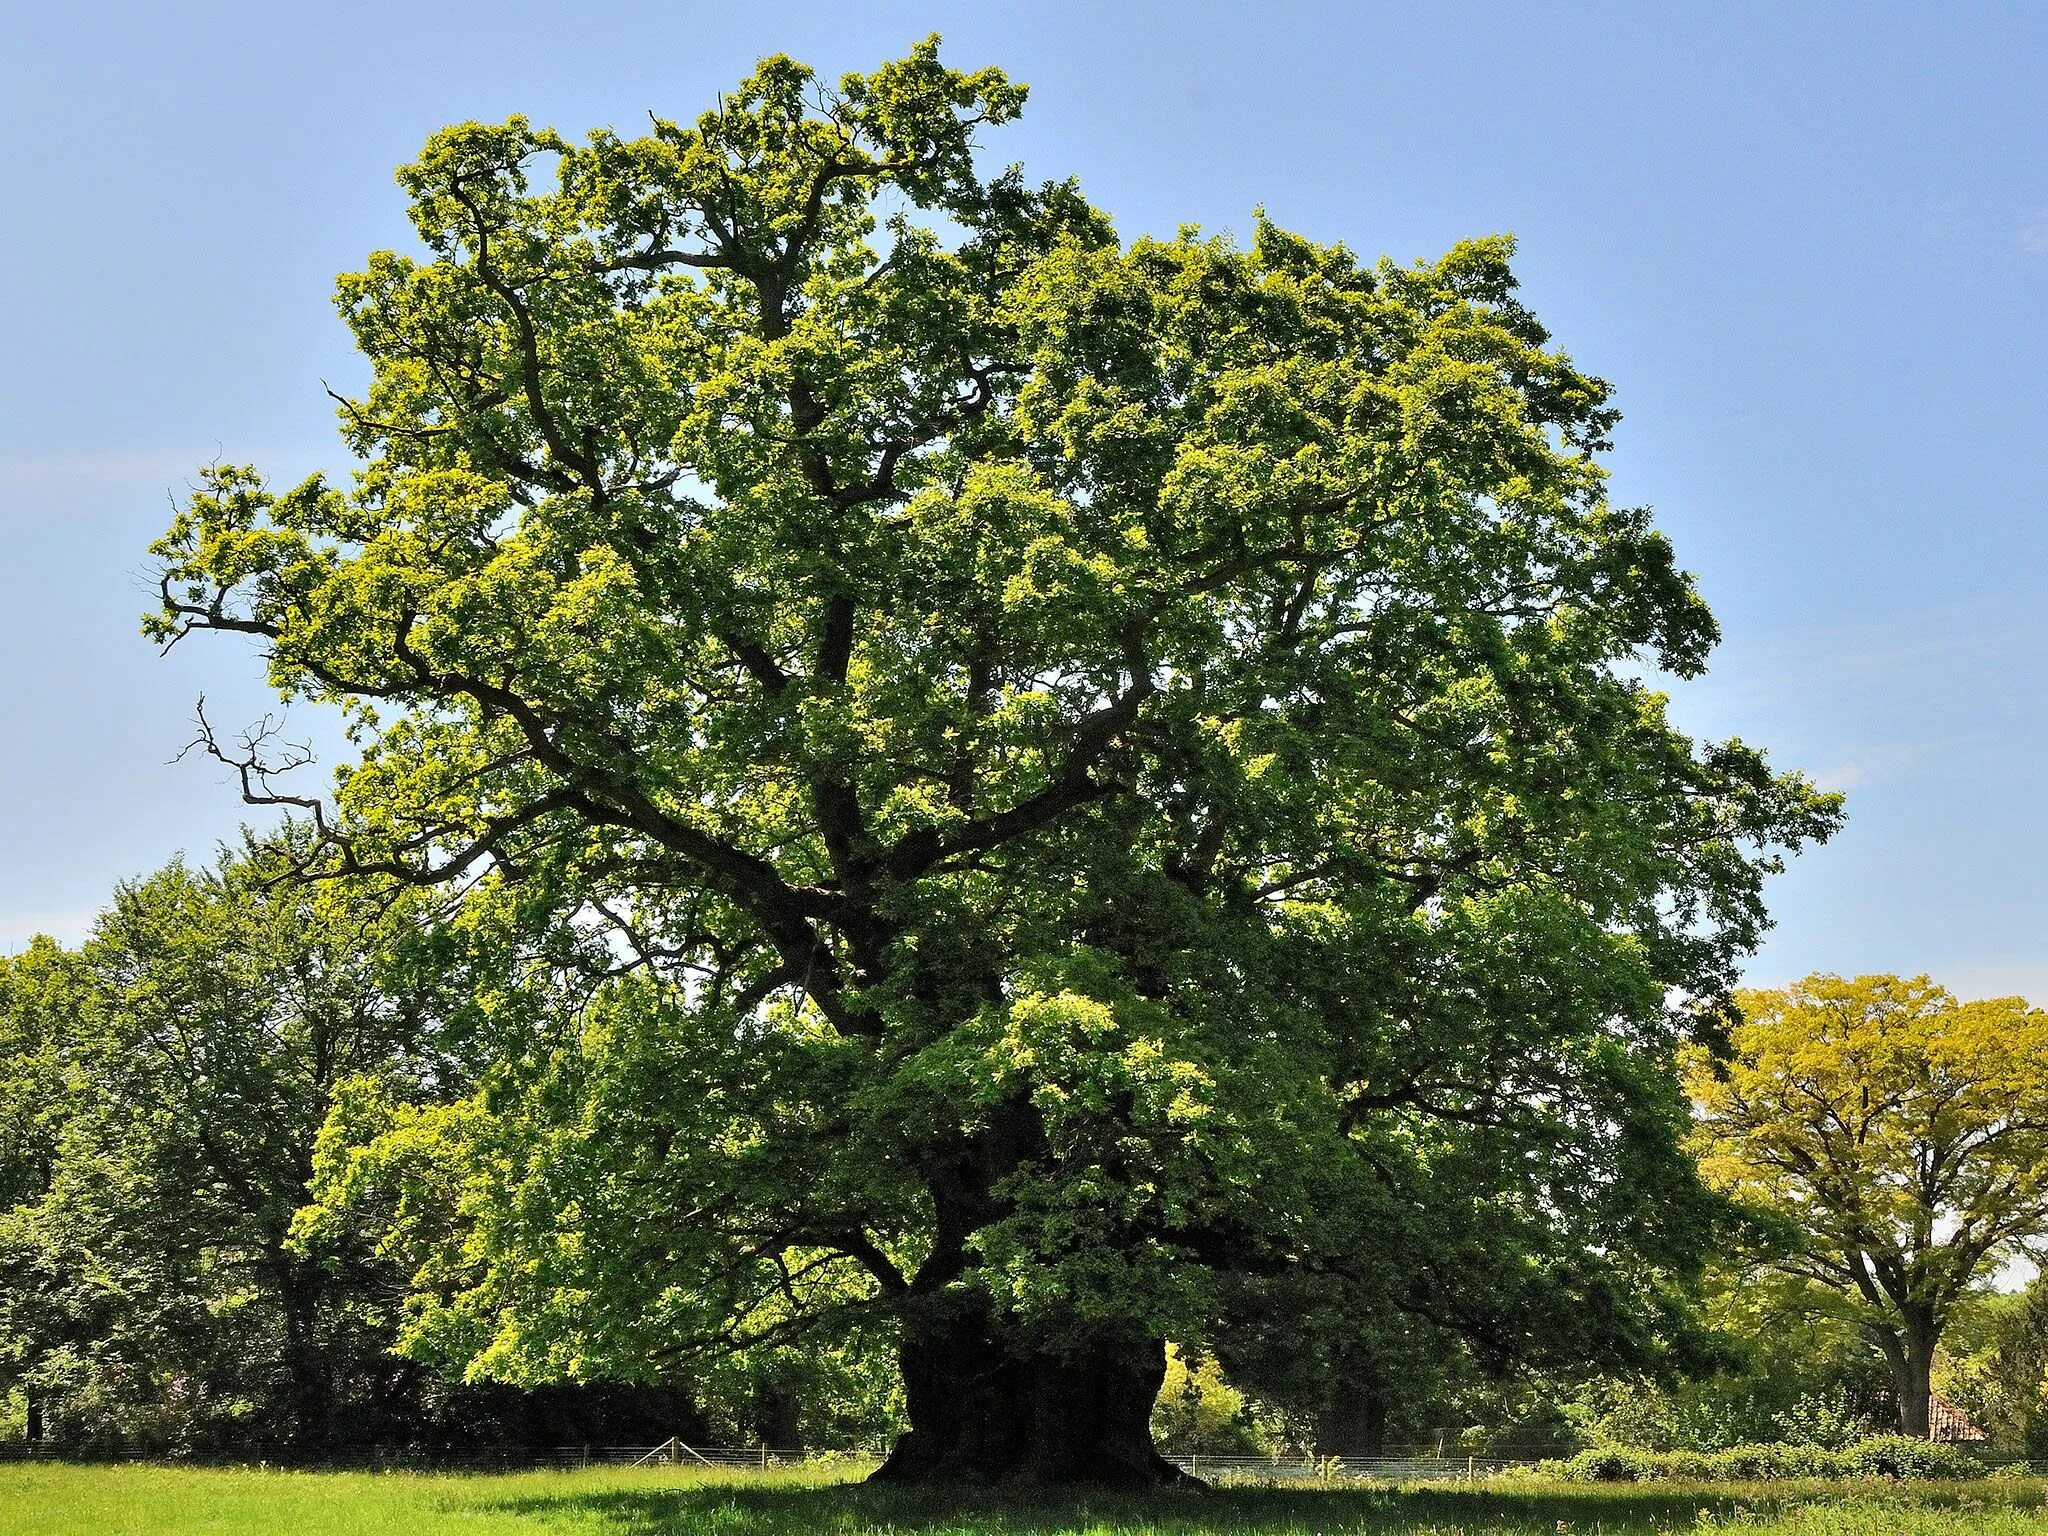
(1747, 1463)
(1903, 1456)
(1767, 1463)
(1875, 1456)
(1822, 1418)
(1807, 1459)
(1610, 1464)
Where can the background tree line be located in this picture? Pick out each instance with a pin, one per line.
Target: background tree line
(163, 1088)
(172, 1090)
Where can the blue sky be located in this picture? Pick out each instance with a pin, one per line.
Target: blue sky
(1809, 246)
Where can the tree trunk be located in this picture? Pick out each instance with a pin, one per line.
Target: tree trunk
(987, 1404)
(1909, 1352)
(309, 1408)
(1354, 1421)
(778, 1416)
(988, 1410)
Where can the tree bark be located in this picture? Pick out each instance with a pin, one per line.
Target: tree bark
(987, 1403)
(309, 1409)
(1354, 1421)
(990, 1409)
(778, 1416)
(1909, 1352)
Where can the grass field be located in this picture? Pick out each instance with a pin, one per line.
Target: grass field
(131, 1501)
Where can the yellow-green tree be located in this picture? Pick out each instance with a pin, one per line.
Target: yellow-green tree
(1904, 1133)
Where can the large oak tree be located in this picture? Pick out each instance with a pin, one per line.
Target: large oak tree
(1024, 783)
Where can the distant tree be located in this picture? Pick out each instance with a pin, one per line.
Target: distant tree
(1199, 1412)
(1092, 755)
(1472, 1305)
(1903, 1134)
(1994, 1365)
(39, 999)
(151, 1287)
(1772, 1366)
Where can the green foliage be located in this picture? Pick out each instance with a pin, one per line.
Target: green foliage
(1016, 784)
(38, 992)
(1900, 1136)
(1627, 1464)
(1766, 1367)
(1714, 1412)
(1199, 1411)
(1994, 1366)
(1905, 1456)
(175, 1072)
(1824, 1419)
(1876, 1456)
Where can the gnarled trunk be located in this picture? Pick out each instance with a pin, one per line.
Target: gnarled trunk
(989, 1409)
(309, 1384)
(989, 1404)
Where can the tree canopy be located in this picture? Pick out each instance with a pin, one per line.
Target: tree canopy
(1022, 786)
(1902, 1135)
(187, 1054)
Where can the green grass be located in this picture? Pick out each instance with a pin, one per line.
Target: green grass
(162, 1501)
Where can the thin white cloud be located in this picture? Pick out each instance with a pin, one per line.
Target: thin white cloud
(1842, 775)
(2034, 237)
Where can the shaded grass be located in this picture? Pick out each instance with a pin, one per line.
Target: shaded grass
(161, 1501)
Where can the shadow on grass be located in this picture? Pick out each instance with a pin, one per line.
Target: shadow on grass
(853, 1510)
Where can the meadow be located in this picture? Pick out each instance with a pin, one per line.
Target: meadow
(51, 1500)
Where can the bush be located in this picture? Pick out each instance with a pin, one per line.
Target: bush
(1903, 1456)
(1768, 1463)
(1748, 1463)
(1806, 1459)
(1874, 1456)
(1612, 1464)
(1822, 1418)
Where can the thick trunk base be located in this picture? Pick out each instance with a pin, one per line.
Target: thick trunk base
(981, 1414)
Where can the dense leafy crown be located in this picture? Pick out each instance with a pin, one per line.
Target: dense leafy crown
(1902, 1132)
(1076, 770)
(172, 1075)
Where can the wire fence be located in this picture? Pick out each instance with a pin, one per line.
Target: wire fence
(498, 1458)
(1426, 1465)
